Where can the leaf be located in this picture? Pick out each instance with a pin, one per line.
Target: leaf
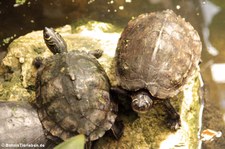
(76, 142)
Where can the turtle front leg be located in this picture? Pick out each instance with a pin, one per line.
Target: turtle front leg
(117, 129)
(38, 62)
(173, 122)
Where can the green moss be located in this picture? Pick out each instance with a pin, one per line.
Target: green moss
(219, 3)
(192, 116)
(196, 116)
(94, 25)
(7, 40)
(78, 23)
(39, 50)
(20, 2)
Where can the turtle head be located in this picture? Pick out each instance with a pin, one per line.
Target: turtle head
(54, 41)
(141, 101)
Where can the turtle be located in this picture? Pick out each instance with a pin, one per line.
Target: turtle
(73, 92)
(157, 54)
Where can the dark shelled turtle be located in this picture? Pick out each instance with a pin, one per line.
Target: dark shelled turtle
(157, 54)
(73, 92)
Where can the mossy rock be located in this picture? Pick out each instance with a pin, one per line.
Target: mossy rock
(18, 72)
(145, 131)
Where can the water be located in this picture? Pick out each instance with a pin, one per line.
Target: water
(207, 17)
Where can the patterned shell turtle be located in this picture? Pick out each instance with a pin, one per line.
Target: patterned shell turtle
(157, 54)
(73, 92)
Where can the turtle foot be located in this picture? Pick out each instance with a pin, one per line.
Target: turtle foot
(117, 129)
(174, 124)
(173, 121)
(37, 62)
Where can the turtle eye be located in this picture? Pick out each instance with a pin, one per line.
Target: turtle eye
(47, 36)
(48, 33)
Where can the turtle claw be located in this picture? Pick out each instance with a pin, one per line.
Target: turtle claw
(174, 124)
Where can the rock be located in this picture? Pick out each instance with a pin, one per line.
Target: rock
(21, 74)
(143, 131)
(149, 131)
(20, 125)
